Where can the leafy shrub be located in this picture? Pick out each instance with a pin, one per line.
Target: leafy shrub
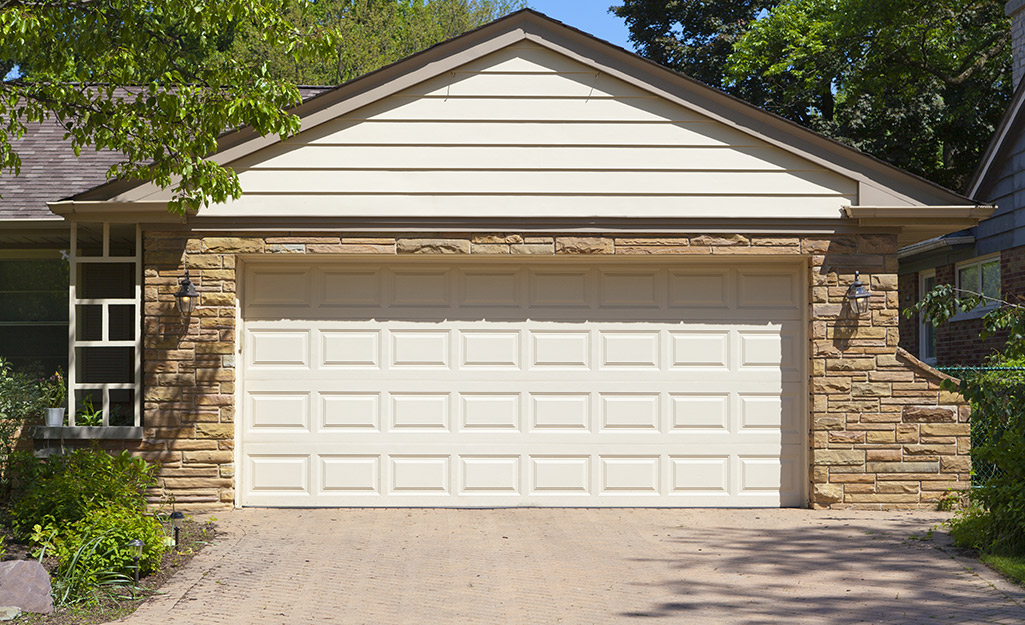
(994, 521)
(93, 552)
(63, 490)
(19, 401)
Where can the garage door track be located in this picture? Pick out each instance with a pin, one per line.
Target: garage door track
(526, 566)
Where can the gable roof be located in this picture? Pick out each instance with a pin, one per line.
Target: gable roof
(879, 184)
(50, 171)
(1003, 139)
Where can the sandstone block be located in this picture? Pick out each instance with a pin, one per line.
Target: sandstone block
(433, 246)
(928, 414)
(827, 493)
(533, 249)
(720, 239)
(489, 248)
(496, 238)
(842, 457)
(208, 457)
(286, 248)
(902, 467)
(955, 464)
(584, 245)
(870, 389)
(232, 245)
(946, 429)
(215, 430)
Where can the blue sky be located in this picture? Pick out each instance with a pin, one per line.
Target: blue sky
(590, 16)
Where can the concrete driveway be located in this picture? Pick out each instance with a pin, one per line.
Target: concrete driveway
(527, 566)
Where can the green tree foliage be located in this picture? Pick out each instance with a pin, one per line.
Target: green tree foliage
(920, 84)
(372, 34)
(150, 80)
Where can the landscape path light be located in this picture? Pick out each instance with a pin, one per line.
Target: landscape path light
(176, 522)
(136, 547)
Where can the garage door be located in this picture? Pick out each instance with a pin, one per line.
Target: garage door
(431, 384)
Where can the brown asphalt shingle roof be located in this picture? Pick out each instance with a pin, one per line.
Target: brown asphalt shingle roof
(50, 171)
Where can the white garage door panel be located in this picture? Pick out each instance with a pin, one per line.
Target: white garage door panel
(522, 385)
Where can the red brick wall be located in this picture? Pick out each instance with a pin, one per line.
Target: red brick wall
(958, 343)
(907, 291)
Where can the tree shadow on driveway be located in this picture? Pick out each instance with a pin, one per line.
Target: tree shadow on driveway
(841, 572)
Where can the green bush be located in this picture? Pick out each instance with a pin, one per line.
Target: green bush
(93, 551)
(994, 520)
(63, 490)
(19, 401)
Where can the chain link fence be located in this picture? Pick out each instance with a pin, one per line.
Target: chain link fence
(986, 426)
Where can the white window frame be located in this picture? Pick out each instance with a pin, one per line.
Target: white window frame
(979, 311)
(76, 388)
(923, 325)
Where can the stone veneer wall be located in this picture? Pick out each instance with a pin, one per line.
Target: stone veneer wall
(882, 433)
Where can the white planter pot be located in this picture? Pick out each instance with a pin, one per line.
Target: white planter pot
(54, 417)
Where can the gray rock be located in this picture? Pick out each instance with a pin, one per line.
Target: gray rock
(9, 613)
(25, 584)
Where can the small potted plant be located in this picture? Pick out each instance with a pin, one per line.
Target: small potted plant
(53, 391)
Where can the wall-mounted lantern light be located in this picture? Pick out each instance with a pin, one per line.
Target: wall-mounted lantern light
(186, 297)
(857, 295)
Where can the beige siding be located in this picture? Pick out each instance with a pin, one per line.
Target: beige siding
(528, 132)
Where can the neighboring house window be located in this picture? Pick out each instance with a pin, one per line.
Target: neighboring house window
(981, 275)
(34, 310)
(926, 330)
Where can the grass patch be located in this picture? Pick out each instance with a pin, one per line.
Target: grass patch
(1011, 567)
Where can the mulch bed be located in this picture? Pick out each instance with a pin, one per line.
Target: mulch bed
(193, 536)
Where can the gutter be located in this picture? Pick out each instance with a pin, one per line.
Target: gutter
(932, 245)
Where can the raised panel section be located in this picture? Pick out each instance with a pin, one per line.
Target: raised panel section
(630, 412)
(700, 349)
(561, 349)
(415, 289)
(768, 290)
(429, 412)
(279, 411)
(489, 474)
(491, 349)
(342, 348)
(699, 474)
(630, 349)
(351, 289)
(279, 474)
(629, 475)
(700, 411)
(560, 475)
(491, 289)
(761, 412)
(350, 474)
(762, 350)
(561, 411)
(760, 474)
(351, 411)
(560, 289)
(419, 474)
(490, 412)
(698, 289)
(279, 288)
(420, 349)
(279, 348)
(630, 290)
